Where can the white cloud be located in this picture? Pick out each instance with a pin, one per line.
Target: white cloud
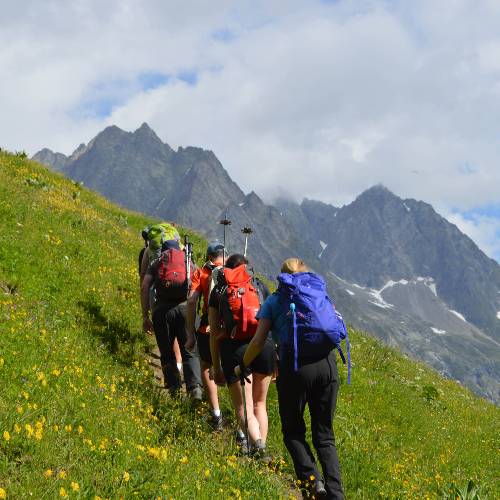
(483, 230)
(324, 99)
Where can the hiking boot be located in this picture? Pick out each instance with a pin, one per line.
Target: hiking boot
(259, 451)
(314, 490)
(319, 489)
(215, 423)
(196, 394)
(242, 444)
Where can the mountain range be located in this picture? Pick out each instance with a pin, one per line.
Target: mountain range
(395, 267)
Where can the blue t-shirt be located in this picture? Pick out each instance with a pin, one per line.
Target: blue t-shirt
(274, 310)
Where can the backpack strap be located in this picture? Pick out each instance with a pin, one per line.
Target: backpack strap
(295, 348)
(244, 311)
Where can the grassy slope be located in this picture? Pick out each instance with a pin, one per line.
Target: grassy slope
(77, 404)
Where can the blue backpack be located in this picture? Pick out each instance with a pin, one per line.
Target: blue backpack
(315, 326)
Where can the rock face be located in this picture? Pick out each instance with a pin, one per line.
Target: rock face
(397, 268)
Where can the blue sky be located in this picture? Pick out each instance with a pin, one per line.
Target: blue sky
(406, 94)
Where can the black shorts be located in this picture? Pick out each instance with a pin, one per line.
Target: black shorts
(232, 352)
(203, 343)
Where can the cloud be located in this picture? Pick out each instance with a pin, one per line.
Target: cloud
(324, 98)
(482, 229)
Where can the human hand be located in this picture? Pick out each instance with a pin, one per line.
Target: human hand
(147, 326)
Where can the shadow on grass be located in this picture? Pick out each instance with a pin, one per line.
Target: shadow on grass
(123, 343)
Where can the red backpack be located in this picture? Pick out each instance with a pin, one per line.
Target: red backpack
(239, 304)
(171, 280)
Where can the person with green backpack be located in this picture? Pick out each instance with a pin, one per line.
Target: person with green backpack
(169, 275)
(307, 329)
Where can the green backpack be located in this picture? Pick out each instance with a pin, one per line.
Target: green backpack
(159, 233)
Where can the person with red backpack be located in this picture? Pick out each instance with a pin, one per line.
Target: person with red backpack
(202, 284)
(169, 274)
(233, 305)
(307, 328)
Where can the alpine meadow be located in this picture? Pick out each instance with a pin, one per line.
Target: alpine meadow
(81, 414)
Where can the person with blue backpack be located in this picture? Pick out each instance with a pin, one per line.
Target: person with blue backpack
(307, 328)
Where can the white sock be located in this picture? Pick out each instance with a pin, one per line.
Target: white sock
(240, 433)
(216, 412)
(179, 366)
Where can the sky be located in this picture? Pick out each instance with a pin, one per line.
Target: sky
(310, 98)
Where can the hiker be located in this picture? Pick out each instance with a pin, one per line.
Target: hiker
(201, 286)
(149, 253)
(307, 374)
(169, 275)
(233, 305)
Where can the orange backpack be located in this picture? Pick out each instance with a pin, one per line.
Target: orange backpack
(239, 304)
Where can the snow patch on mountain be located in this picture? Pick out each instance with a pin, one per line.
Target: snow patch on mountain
(323, 248)
(352, 293)
(379, 301)
(391, 283)
(458, 315)
(438, 331)
(359, 286)
(408, 209)
(498, 315)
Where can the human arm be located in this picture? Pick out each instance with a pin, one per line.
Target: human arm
(144, 266)
(147, 325)
(215, 335)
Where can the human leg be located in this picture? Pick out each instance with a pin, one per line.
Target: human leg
(292, 400)
(260, 387)
(321, 399)
(190, 360)
(263, 366)
(235, 392)
(164, 341)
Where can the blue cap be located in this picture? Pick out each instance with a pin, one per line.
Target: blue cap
(214, 247)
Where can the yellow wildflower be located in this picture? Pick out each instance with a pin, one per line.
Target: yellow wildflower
(126, 476)
(39, 434)
(29, 430)
(80, 429)
(3, 494)
(184, 460)
(62, 492)
(75, 486)
(6, 435)
(56, 372)
(207, 473)
(68, 428)
(17, 428)
(2, 362)
(48, 473)
(61, 474)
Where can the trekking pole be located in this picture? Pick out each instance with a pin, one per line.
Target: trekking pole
(247, 231)
(225, 222)
(245, 415)
(187, 249)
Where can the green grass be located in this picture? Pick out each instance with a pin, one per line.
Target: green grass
(80, 415)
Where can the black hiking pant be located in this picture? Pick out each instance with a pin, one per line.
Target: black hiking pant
(315, 384)
(169, 324)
